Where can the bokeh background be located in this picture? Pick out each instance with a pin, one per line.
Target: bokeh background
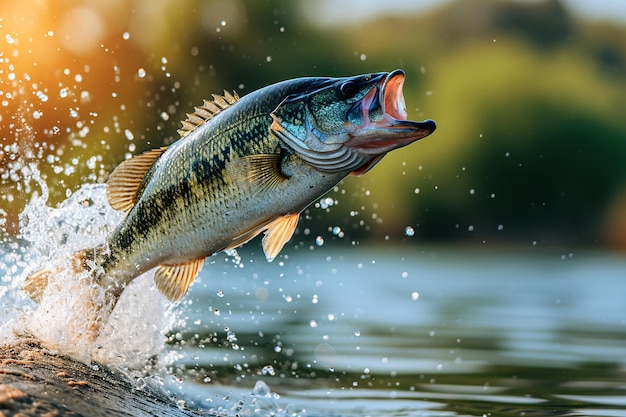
(529, 97)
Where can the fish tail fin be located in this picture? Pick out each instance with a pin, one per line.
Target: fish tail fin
(36, 283)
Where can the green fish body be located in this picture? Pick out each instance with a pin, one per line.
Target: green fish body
(243, 167)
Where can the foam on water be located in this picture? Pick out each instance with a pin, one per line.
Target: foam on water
(64, 319)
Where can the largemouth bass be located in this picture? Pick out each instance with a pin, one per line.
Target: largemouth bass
(243, 166)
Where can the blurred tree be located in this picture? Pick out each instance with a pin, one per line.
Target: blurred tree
(527, 97)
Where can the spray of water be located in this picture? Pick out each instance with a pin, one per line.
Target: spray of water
(65, 319)
(49, 146)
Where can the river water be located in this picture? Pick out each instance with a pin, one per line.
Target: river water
(411, 331)
(345, 330)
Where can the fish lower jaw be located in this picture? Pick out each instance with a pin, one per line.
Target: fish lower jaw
(376, 138)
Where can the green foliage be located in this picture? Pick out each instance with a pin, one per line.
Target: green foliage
(528, 98)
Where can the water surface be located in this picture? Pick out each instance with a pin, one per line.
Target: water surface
(342, 329)
(403, 331)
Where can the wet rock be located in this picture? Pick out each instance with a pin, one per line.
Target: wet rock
(37, 382)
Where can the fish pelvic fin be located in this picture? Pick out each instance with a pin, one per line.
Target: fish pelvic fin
(36, 283)
(125, 180)
(207, 111)
(278, 233)
(173, 281)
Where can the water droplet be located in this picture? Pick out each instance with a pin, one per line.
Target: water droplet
(91, 162)
(313, 324)
(126, 36)
(220, 293)
(63, 93)
(141, 72)
(36, 114)
(363, 57)
(10, 39)
(129, 135)
(319, 241)
(326, 202)
(472, 191)
(268, 59)
(417, 191)
(409, 231)
(415, 295)
(268, 370)
(261, 389)
(42, 96)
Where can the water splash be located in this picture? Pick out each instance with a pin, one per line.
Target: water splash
(64, 319)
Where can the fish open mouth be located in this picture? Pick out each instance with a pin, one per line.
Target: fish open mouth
(385, 126)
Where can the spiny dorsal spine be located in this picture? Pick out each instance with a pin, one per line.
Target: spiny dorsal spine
(207, 111)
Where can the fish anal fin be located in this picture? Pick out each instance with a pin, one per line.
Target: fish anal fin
(259, 172)
(125, 180)
(173, 281)
(278, 233)
(207, 111)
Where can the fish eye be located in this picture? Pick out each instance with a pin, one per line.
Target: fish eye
(349, 89)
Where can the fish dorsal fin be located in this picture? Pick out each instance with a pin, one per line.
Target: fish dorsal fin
(207, 111)
(173, 280)
(278, 233)
(125, 180)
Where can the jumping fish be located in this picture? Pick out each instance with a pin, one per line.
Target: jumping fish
(243, 166)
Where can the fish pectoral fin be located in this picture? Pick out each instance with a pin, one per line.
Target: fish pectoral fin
(173, 281)
(125, 180)
(278, 233)
(260, 172)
